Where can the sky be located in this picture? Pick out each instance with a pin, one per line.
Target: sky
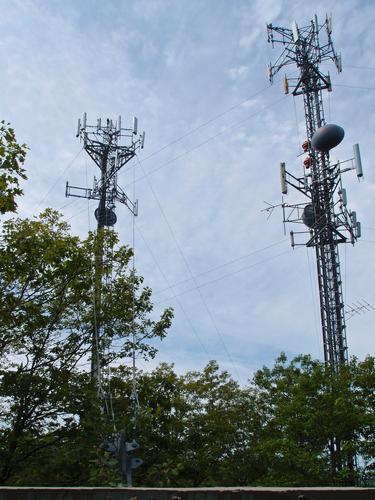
(195, 74)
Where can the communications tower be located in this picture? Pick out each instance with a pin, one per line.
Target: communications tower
(102, 142)
(324, 212)
(111, 147)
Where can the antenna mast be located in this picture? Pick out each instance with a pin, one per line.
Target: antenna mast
(105, 145)
(325, 212)
(325, 215)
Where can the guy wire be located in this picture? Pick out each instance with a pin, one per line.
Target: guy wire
(134, 395)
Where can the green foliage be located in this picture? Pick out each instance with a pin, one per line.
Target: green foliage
(202, 429)
(47, 318)
(12, 157)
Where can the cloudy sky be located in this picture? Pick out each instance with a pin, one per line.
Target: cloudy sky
(195, 74)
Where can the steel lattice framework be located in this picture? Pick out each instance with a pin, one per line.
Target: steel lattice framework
(103, 145)
(331, 223)
(102, 142)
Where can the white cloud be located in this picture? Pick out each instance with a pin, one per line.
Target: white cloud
(236, 73)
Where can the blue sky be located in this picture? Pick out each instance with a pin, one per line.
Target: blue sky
(196, 71)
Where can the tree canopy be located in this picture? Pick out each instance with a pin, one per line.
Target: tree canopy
(46, 324)
(203, 429)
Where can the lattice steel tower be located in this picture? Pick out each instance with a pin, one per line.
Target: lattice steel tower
(102, 142)
(111, 147)
(325, 212)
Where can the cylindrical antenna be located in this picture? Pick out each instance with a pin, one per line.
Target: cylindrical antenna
(78, 127)
(84, 121)
(292, 239)
(135, 125)
(286, 85)
(357, 160)
(270, 75)
(284, 185)
(143, 140)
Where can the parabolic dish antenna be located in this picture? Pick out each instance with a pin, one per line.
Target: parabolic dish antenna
(108, 218)
(327, 137)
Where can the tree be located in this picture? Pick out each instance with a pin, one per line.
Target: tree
(304, 405)
(191, 427)
(202, 429)
(12, 157)
(46, 323)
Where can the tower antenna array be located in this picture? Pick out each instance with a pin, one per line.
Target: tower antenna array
(103, 144)
(111, 147)
(325, 214)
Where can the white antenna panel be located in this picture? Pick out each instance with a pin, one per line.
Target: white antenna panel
(269, 70)
(78, 127)
(357, 160)
(344, 197)
(338, 62)
(329, 24)
(295, 31)
(316, 25)
(284, 185)
(143, 140)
